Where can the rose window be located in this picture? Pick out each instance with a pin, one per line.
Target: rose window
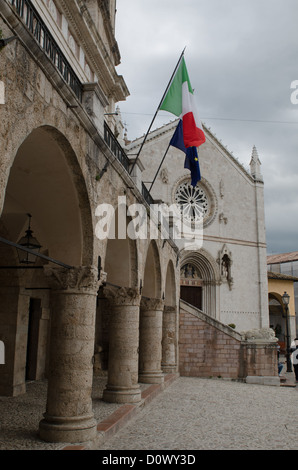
(193, 201)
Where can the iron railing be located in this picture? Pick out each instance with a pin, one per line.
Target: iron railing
(115, 147)
(44, 38)
(146, 195)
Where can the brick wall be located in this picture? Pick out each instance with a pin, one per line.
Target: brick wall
(208, 348)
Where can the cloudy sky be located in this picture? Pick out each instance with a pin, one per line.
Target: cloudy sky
(242, 56)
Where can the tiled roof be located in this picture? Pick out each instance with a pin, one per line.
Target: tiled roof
(281, 277)
(282, 258)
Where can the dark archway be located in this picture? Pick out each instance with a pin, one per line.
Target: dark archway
(152, 273)
(46, 181)
(170, 286)
(120, 266)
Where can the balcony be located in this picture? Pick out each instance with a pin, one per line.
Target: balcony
(146, 195)
(42, 35)
(120, 154)
(115, 147)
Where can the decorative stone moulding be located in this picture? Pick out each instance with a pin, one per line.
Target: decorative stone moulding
(122, 295)
(260, 335)
(73, 279)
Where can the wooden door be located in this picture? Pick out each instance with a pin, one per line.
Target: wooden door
(192, 295)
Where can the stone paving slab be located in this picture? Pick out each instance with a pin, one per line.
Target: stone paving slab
(184, 414)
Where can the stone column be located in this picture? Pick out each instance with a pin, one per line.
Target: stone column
(122, 386)
(150, 341)
(169, 342)
(69, 416)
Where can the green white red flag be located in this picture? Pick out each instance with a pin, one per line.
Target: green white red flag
(180, 101)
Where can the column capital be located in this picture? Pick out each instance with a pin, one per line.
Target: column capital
(77, 279)
(122, 295)
(170, 308)
(151, 304)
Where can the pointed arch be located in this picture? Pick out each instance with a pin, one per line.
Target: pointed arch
(209, 273)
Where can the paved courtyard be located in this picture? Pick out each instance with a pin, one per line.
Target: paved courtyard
(190, 414)
(214, 414)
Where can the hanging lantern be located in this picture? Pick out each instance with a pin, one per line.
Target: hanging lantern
(30, 242)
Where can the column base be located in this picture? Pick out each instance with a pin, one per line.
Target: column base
(169, 369)
(263, 380)
(114, 394)
(76, 429)
(151, 377)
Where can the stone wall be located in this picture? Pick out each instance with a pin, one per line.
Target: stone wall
(208, 348)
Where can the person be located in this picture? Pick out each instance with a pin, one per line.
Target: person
(279, 364)
(294, 349)
(280, 367)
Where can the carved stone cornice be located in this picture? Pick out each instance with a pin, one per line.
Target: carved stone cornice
(122, 295)
(78, 279)
(151, 304)
(102, 59)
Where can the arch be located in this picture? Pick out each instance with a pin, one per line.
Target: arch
(120, 265)
(121, 258)
(46, 180)
(277, 318)
(209, 273)
(204, 262)
(276, 298)
(152, 273)
(170, 285)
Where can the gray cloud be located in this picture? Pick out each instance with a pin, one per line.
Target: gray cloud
(241, 57)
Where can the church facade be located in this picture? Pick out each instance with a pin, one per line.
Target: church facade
(226, 276)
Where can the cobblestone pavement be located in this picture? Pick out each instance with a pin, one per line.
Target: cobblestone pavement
(191, 414)
(214, 414)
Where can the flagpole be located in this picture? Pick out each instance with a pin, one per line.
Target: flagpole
(173, 74)
(159, 167)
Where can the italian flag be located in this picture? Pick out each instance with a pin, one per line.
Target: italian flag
(180, 101)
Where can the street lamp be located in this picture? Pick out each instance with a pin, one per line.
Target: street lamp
(286, 300)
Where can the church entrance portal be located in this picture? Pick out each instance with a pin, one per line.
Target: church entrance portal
(191, 285)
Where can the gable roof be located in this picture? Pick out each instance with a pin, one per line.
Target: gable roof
(167, 128)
